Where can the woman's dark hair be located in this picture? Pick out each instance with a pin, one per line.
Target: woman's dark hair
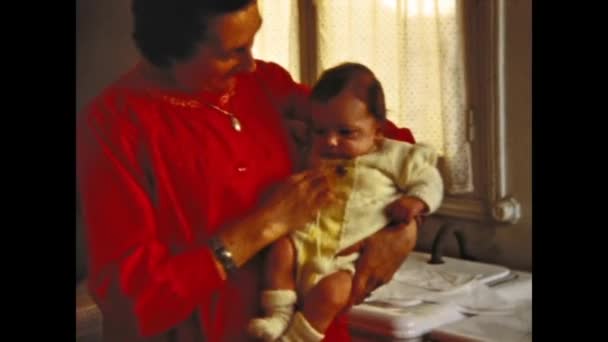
(368, 89)
(169, 30)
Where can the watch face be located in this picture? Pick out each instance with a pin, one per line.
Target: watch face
(226, 254)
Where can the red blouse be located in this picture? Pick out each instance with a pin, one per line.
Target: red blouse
(159, 172)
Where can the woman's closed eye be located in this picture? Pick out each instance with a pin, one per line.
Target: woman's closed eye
(320, 131)
(347, 132)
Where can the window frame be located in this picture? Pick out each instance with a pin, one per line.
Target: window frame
(485, 67)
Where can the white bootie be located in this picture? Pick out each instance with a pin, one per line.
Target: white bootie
(301, 331)
(278, 306)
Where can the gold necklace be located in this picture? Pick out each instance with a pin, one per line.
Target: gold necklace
(236, 124)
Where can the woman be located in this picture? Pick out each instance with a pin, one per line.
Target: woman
(176, 162)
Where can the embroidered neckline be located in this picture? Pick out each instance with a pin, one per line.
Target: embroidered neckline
(197, 104)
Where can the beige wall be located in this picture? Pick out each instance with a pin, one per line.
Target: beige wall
(104, 50)
(103, 45)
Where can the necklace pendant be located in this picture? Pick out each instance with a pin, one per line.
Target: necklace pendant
(236, 124)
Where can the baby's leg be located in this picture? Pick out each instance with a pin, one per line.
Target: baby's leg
(321, 305)
(327, 299)
(280, 265)
(279, 297)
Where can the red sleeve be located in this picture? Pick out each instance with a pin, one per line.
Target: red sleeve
(292, 101)
(129, 267)
(393, 132)
(290, 97)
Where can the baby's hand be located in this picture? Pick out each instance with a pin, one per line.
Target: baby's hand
(405, 209)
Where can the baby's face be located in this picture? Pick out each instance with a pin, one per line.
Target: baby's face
(343, 128)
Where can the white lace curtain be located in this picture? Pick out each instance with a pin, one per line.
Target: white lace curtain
(416, 49)
(278, 39)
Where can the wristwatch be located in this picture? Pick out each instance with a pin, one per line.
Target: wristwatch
(222, 255)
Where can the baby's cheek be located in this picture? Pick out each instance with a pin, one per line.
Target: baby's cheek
(355, 149)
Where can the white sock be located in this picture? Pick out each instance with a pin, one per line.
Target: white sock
(301, 331)
(278, 306)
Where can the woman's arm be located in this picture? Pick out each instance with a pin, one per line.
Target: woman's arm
(382, 254)
(128, 261)
(291, 205)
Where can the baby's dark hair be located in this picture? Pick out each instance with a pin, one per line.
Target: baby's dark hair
(367, 87)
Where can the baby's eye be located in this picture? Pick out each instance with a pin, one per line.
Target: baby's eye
(319, 131)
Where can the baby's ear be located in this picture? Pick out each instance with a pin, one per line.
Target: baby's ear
(380, 127)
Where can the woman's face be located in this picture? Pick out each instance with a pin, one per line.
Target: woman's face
(224, 52)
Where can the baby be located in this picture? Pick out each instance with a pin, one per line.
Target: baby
(367, 172)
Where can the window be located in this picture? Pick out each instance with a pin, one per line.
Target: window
(436, 60)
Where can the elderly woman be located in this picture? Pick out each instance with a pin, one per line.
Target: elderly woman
(187, 171)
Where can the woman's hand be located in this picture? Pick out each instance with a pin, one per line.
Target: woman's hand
(296, 201)
(288, 206)
(380, 256)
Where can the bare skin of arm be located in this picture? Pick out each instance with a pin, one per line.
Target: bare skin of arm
(292, 204)
(380, 256)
